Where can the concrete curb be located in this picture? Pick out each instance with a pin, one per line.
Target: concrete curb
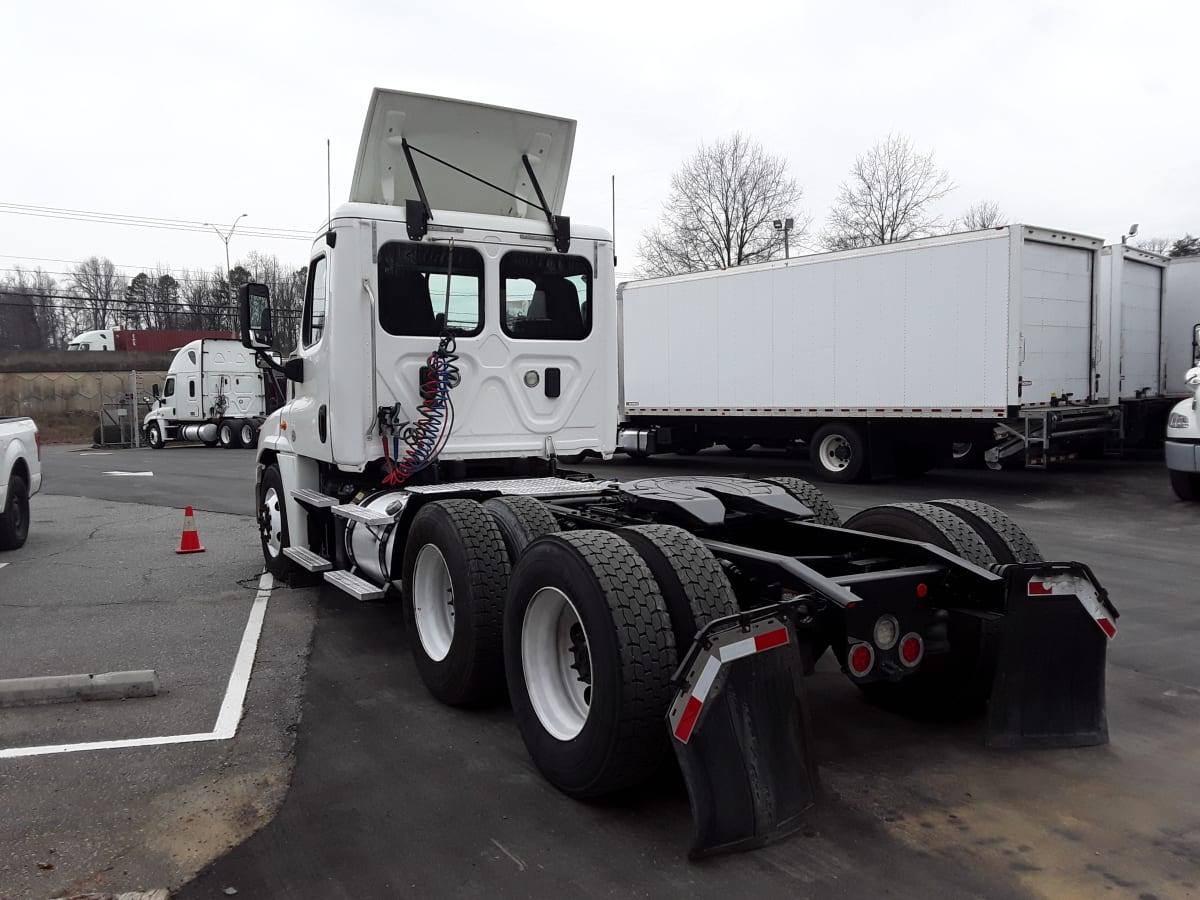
(71, 688)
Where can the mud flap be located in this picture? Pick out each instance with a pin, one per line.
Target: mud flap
(739, 725)
(1049, 685)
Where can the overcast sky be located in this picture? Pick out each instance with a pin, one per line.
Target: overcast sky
(1079, 115)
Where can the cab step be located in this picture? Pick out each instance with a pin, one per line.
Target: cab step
(362, 515)
(356, 587)
(306, 559)
(315, 499)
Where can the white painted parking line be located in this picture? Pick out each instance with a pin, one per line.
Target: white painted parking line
(132, 474)
(105, 453)
(232, 706)
(2, 565)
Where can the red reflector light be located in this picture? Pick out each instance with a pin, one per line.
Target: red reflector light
(922, 589)
(861, 658)
(912, 648)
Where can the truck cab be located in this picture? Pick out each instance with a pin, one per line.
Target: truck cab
(528, 312)
(101, 339)
(1183, 433)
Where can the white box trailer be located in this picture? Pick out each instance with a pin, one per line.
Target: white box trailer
(215, 392)
(879, 358)
(1133, 301)
(1181, 315)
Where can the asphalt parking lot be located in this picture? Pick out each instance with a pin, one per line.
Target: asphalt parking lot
(394, 795)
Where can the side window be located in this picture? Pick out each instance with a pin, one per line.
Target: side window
(192, 356)
(546, 296)
(169, 388)
(314, 303)
(424, 289)
(191, 387)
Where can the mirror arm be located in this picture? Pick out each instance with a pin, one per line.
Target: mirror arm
(292, 369)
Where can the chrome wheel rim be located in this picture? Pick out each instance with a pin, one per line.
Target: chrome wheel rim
(557, 663)
(247, 435)
(835, 452)
(961, 450)
(433, 602)
(272, 523)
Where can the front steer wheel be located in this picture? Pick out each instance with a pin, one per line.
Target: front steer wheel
(588, 653)
(456, 571)
(273, 530)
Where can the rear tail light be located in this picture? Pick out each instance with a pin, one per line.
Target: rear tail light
(860, 659)
(37, 439)
(912, 649)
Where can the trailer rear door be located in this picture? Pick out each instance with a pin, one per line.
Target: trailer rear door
(1057, 296)
(1141, 323)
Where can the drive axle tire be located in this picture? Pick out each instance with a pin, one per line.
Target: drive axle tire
(522, 520)
(928, 523)
(693, 586)
(1186, 485)
(227, 435)
(154, 436)
(839, 453)
(588, 654)
(811, 496)
(14, 518)
(1005, 538)
(739, 445)
(247, 434)
(949, 685)
(455, 575)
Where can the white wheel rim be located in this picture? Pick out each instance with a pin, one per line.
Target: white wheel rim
(835, 452)
(226, 434)
(554, 650)
(961, 450)
(274, 523)
(433, 602)
(247, 434)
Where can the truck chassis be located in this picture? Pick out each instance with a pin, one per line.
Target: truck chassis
(608, 608)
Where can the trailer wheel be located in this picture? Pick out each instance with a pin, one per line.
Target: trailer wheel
(154, 436)
(248, 434)
(522, 520)
(839, 453)
(227, 435)
(1186, 485)
(273, 528)
(811, 496)
(1005, 538)
(738, 445)
(693, 585)
(14, 518)
(588, 656)
(455, 575)
(928, 523)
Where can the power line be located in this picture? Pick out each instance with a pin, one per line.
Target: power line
(116, 265)
(126, 218)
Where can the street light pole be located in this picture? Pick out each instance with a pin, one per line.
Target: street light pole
(785, 225)
(225, 239)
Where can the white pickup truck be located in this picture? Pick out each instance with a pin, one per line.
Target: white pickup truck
(20, 477)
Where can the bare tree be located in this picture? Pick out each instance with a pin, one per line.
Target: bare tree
(1154, 245)
(888, 197)
(30, 317)
(721, 209)
(97, 283)
(980, 215)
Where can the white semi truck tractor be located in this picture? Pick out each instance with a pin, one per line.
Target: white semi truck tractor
(1183, 433)
(459, 339)
(215, 392)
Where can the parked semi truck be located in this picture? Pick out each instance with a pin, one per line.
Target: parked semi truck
(1183, 432)
(20, 477)
(146, 340)
(1133, 301)
(878, 359)
(459, 335)
(1181, 314)
(215, 392)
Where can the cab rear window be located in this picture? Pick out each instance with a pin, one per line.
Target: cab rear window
(546, 296)
(425, 289)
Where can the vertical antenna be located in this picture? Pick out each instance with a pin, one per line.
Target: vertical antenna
(614, 219)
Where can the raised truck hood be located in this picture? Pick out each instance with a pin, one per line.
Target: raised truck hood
(487, 141)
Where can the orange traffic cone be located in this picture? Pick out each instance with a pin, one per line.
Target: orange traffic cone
(189, 542)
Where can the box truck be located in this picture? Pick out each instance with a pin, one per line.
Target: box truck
(458, 333)
(215, 392)
(1181, 315)
(1133, 301)
(147, 340)
(879, 359)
